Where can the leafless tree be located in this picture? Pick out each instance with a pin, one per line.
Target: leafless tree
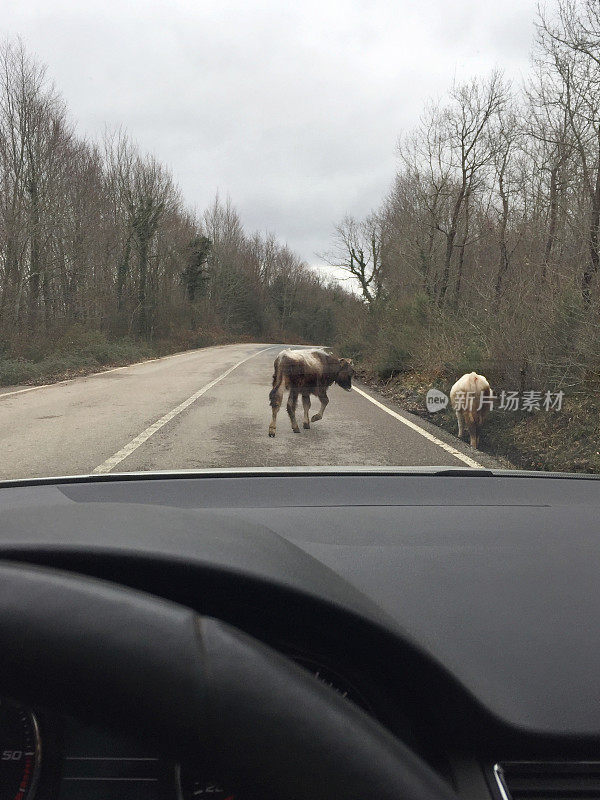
(357, 249)
(571, 42)
(468, 150)
(96, 238)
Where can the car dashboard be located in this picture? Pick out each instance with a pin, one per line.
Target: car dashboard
(442, 604)
(48, 756)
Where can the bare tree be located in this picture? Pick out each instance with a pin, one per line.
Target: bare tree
(358, 251)
(473, 106)
(507, 135)
(33, 129)
(571, 42)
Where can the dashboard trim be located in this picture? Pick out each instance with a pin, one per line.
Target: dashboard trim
(37, 768)
(501, 783)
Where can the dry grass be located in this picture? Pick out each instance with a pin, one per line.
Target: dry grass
(564, 441)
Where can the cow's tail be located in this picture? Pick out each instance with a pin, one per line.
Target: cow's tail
(277, 381)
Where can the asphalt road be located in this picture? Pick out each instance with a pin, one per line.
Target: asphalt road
(204, 408)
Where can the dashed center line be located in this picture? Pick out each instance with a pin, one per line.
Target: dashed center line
(139, 440)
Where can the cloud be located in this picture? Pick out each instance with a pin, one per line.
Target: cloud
(294, 111)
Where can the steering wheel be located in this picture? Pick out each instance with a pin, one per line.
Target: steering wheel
(197, 690)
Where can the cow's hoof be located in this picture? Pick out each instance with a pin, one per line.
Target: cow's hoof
(296, 430)
(271, 434)
(307, 426)
(316, 417)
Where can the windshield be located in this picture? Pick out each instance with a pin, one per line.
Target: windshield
(248, 234)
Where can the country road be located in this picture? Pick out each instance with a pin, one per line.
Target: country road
(204, 408)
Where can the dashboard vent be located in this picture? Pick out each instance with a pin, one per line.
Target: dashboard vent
(528, 780)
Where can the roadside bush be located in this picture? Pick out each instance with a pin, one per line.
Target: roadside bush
(76, 352)
(14, 371)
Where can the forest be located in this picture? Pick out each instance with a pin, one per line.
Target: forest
(102, 262)
(484, 254)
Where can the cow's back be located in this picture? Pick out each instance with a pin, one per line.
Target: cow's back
(465, 395)
(306, 368)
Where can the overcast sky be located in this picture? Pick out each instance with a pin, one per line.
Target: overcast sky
(293, 110)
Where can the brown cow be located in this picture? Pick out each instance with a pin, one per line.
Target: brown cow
(306, 372)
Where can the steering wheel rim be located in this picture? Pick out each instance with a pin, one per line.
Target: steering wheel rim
(196, 689)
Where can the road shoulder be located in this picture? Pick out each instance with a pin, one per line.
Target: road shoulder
(484, 459)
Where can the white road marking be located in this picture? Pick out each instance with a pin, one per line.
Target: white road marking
(139, 440)
(94, 374)
(30, 389)
(448, 448)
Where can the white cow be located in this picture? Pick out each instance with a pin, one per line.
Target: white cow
(471, 398)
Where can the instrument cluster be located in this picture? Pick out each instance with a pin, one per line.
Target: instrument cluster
(43, 757)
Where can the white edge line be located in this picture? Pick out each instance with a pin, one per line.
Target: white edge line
(135, 364)
(116, 369)
(29, 389)
(448, 448)
(139, 440)
(92, 374)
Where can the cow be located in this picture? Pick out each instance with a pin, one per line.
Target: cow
(471, 398)
(306, 372)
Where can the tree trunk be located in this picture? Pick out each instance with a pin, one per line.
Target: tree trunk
(11, 275)
(142, 288)
(552, 220)
(35, 265)
(49, 310)
(450, 237)
(427, 260)
(591, 267)
(461, 258)
(503, 263)
(122, 270)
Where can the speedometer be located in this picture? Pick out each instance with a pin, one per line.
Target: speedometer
(20, 752)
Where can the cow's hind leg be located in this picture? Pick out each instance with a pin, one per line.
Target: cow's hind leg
(461, 423)
(324, 400)
(291, 409)
(306, 407)
(474, 435)
(275, 399)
